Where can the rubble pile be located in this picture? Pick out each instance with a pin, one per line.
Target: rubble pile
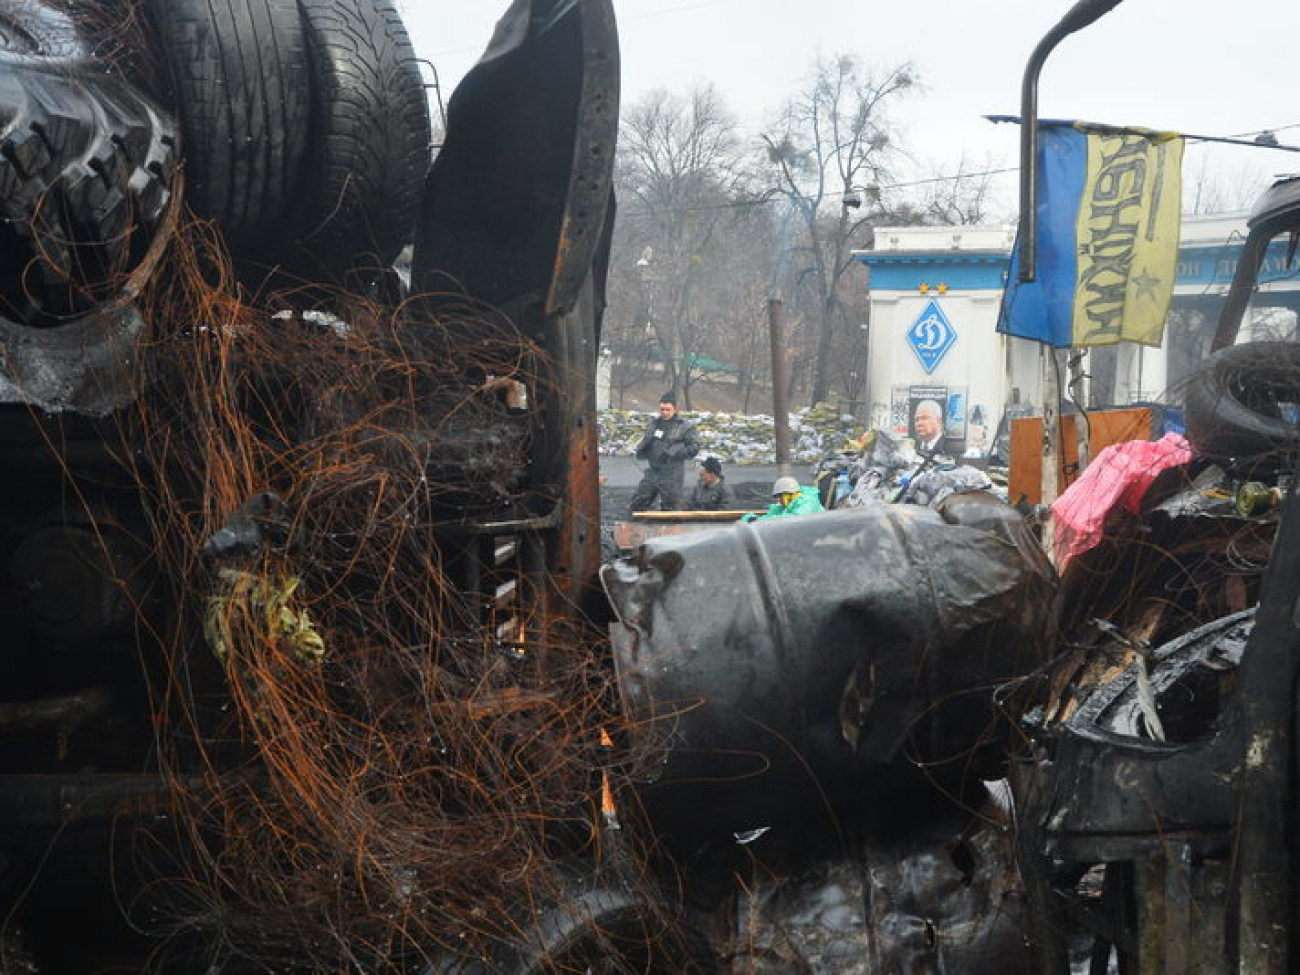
(364, 772)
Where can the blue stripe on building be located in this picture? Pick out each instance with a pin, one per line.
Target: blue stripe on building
(1199, 265)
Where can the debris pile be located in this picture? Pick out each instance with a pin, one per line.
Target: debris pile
(365, 771)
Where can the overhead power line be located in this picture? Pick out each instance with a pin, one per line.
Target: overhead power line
(769, 197)
(1263, 139)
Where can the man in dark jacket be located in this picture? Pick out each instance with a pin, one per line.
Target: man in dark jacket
(668, 443)
(711, 492)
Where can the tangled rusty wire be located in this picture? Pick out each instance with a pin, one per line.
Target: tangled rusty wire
(365, 773)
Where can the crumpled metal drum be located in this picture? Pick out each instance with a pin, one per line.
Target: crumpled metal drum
(817, 666)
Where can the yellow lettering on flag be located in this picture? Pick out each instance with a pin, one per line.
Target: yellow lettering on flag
(1127, 235)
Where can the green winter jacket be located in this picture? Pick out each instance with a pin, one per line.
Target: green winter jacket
(805, 503)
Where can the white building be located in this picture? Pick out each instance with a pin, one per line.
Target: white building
(934, 299)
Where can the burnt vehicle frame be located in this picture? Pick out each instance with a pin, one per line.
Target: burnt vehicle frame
(547, 88)
(1178, 798)
(1195, 836)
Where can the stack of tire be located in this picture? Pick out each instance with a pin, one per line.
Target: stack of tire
(305, 130)
(304, 137)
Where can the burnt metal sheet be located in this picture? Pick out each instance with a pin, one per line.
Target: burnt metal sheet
(515, 204)
(1114, 794)
(1197, 832)
(518, 214)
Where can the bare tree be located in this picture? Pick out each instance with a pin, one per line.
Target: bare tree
(682, 184)
(962, 195)
(1212, 189)
(831, 153)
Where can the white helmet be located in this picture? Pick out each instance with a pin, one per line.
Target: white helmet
(785, 485)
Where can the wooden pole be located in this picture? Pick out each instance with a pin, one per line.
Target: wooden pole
(1051, 486)
(780, 383)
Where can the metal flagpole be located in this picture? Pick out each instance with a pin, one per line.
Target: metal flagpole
(1079, 16)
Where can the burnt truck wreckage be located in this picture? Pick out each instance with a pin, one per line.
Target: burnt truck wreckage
(309, 667)
(296, 557)
(1160, 759)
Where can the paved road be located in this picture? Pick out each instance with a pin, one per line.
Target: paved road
(625, 472)
(752, 483)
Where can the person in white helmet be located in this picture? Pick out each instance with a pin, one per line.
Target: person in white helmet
(789, 499)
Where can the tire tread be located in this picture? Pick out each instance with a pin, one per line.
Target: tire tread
(371, 144)
(240, 82)
(86, 167)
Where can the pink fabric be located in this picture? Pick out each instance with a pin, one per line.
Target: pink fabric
(1116, 478)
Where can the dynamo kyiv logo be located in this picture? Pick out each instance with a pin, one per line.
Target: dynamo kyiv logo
(931, 336)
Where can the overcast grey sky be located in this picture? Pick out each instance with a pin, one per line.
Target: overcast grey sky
(1209, 67)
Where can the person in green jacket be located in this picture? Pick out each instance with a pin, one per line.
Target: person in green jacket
(791, 499)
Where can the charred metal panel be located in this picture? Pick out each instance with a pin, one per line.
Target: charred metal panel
(1115, 792)
(515, 203)
(518, 214)
(1197, 830)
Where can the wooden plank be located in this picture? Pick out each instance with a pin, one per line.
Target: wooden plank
(686, 515)
(631, 534)
(1105, 427)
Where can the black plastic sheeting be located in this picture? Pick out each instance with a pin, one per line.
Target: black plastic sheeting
(807, 671)
(936, 900)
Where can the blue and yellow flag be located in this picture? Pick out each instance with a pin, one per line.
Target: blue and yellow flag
(1109, 210)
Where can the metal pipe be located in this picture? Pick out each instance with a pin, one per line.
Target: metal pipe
(66, 711)
(1078, 17)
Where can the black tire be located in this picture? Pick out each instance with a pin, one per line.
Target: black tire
(604, 930)
(1241, 407)
(369, 138)
(241, 85)
(611, 930)
(86, 171)
(34, 29)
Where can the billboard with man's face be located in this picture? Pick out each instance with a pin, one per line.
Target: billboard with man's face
(927, 407)
(946, 402)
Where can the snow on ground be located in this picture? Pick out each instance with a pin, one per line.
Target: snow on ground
(736, 438)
